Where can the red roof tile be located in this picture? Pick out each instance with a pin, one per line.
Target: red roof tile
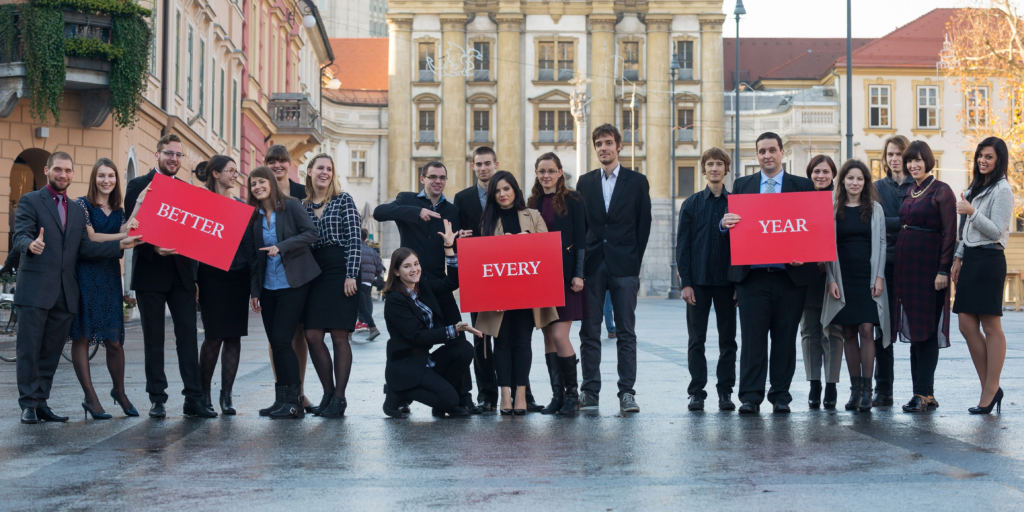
(361, 63)
(787, 58)
(914, 45)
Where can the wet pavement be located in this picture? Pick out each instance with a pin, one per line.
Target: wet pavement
(661, 458)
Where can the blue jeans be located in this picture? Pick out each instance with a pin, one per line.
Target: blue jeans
(609, 320)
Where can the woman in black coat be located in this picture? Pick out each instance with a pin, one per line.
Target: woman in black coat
(415, 323)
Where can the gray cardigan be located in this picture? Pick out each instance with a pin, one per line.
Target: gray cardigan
(833, 306)
(990, 222)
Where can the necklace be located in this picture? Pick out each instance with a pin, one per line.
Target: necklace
(916, 195)
(317, 206)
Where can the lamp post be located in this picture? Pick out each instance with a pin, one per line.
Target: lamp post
(849, 82)
(739, 10)
(673, 68)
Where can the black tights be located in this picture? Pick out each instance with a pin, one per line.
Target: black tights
(860, 358)
(337, 382)
(924, 357)
(115, 365)
(230, 356)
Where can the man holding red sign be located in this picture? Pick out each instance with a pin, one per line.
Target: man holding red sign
(771, 296)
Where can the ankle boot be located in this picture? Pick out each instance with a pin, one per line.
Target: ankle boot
(207, 400)
(557, 393)
(225, 402)
(335, 409)
(831, 395)
(854, 402)
(292, 406)
(278, 400)
(865, 395)
(814, 398)
(567, 366)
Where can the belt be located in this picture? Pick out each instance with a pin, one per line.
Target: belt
(916, 228)
(994, 247)
(770, 269)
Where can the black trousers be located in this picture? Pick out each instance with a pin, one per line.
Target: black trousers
(770, 305)
(366, 305)
(438, 389)
(512, 353)
(41, 337)
(697, 327)
(885, 359)
(182, 305)
(483, 367)
(623, 292)
(452, 315)
(924, 357)
(282, 314)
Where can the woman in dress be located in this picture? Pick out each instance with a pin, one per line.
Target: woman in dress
(822, 346)
(924, 258)
(505, 213)
(979, 269)
(334, 295)
(100, 317)
(562, 210)
(281, 272)
(856, 299)
(224, 297)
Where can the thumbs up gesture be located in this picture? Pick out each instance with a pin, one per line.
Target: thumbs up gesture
(37, 245)
(964, 207)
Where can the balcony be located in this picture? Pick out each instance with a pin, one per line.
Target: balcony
(297, 122)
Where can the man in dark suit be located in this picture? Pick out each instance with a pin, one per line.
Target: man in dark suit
(50, 232)
(618, 208)
(163, 278)
(771, 297)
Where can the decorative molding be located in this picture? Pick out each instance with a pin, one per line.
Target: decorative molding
(453, 22)
(687, 97)
(481, 98)
(551, 97)
(427, 98)
(662, 22)
(602, 22)
(509, 22)
(401, 22)
(625, 97)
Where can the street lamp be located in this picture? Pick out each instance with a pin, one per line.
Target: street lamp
(739, 10)
(673, 68)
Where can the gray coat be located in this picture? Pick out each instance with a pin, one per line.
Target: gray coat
(990, 222)
(833, 273)
(370, 265)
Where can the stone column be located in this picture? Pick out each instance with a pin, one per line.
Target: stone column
(712, 106)
(510, 95)
(658, 116)
(400, 122)
(602, 63)
(453, 100)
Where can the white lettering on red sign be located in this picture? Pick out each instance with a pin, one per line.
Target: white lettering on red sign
(519, 268)
(779, 226)
(201, 224)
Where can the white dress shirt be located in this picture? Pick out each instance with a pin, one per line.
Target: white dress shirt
(608, 186)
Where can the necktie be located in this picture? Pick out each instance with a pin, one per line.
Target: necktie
(61, 212)
(771, 186)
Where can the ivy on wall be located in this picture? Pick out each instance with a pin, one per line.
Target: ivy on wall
(8, 33)
(42, 39)
(128, 72)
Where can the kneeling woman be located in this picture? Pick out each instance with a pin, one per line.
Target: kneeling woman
(414, 320)
(505, 213)
(282, 270)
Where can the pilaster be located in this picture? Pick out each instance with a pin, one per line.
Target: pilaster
(659, 119)
(453, 99)
(510, 95)
(712, 106)
(602, 88)
(400, 124)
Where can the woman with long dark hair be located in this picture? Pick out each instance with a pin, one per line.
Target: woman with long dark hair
(224, 297)
(924, 258)
(282, 270)
(979, 267)
(856, 299)
(333, 296)
(562, 211)
(505, 213)
(100, 317)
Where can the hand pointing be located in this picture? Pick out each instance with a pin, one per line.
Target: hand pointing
(37, 245)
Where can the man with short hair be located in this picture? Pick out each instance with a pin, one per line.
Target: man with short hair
(702, 259)
(280, 162)
(771, 297)
(51, 235)
(163, 279)
(618, 206)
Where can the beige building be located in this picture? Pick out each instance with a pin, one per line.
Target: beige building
(466, 74)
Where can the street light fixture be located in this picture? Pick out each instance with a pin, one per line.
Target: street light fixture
(738, 11)
(673, 68)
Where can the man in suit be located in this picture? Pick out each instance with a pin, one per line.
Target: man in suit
(163, 278)
(771, 297)
(618, 208)
(50, 232)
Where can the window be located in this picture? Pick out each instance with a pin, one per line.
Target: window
(876, 169)
(359, 163)
(482, 62)
(927, 106)
(152, 45)
(188, 73)
(426, 62)
(546, 62)
(555, 126)
(555, 61)
(546, 126)
(202, 75)
(631, 61)
(234, 101)
(220, 125)
(628, 118)
(481, 126)
(427, 126)
(685, 182)
(177, 56)
(565, 126)
(213, 94)
(565, 61)
(878, 106)
(684, 128)
(977, 107)
(684, 55)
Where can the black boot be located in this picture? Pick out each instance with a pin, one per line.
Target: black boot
(855, 386)
(831, 395)
(567, 367)
(557, 393)
(225, 402)
(278, 400)
(392, 405)
(865, 394)
(291, 408)
(324, 402)
(814, 398)
(207, 400)
(335, 409)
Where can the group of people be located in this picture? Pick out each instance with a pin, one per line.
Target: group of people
(304, 265)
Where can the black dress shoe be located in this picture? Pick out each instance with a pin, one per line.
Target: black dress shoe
(200, 409)
(749, 407)
(45, 414)
(471, 408)
(158, 410)
(458, 412)
(881, 399)
(781, 408)
(534, 407)
(696, 403)
(487, 406)
(725, 402)
(28, 416)
(392, 406)
(917, 404)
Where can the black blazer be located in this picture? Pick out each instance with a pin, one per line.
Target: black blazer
(295, 233)
(417, 235)
(411, 341)
(470, 211)
(573, 228)
(618, 237)
(40, 277)
(803, 275)
(150, 271)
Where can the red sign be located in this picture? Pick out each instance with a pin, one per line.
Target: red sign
(195, 222)
(782, 228)
(511, 272)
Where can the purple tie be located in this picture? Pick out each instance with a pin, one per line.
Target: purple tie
(61, 212)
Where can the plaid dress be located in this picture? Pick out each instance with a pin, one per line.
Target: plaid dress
(921, 313)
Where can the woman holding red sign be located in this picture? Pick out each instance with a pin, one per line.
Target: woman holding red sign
(562, 211)
(924, 258)
(333, 296)
(505, 213)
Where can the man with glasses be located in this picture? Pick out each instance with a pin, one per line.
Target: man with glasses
(162, 278)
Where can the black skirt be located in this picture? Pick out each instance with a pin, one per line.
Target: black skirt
(224, 301)
(327, 306)
(979, 289)
(575, 307)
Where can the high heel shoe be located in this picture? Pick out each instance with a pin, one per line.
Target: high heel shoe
(334, 409)
(128, 411)
(997, 402)
(95, 415)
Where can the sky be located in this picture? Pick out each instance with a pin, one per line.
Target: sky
(826, 18)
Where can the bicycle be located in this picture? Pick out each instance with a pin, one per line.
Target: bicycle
(9, 335)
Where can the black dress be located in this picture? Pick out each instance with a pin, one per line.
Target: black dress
(853, 245)
(224, 296)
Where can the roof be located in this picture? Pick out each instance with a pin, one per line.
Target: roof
(914, 45)
(786, 58)
(361, 63)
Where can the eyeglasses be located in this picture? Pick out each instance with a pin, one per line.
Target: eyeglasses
(172, 154)
(547, 173)
(437, 178)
